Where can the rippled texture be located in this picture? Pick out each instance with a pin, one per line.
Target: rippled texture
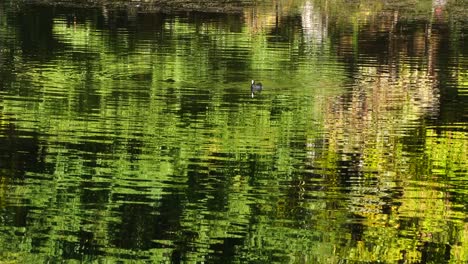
(129, 135)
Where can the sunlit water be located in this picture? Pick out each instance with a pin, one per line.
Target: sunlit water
(134, 136)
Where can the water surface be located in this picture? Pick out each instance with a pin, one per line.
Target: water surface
(132, 136)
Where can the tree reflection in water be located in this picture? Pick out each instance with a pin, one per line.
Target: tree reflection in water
(131, 135)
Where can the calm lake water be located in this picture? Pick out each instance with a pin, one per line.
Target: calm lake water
(131, 136)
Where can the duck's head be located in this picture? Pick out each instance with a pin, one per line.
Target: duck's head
(253, 81)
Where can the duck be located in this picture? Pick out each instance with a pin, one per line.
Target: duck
(255, 87)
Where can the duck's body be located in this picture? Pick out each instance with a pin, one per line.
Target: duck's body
(255, 87)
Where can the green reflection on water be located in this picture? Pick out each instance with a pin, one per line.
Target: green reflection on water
(139, 140)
